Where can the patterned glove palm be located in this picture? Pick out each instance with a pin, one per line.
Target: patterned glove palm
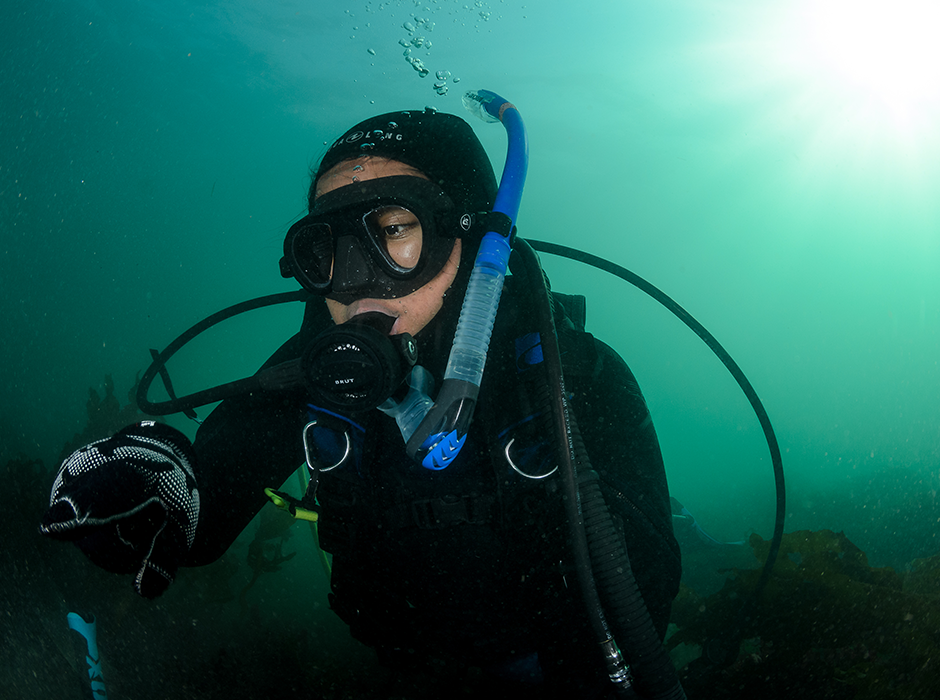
(130, 503)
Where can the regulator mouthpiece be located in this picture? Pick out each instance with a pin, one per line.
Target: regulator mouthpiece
(356, 365)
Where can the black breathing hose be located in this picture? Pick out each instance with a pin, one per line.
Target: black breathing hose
(600, 558)
(722, 649)
(655, 676)
(185, 404)
(729, 363)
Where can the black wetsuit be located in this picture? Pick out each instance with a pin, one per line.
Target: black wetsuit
(469, 564)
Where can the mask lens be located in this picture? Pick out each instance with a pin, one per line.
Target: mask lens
(398, 234)
(384, 237)
(312, 252)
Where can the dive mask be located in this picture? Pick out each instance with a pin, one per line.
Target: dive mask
(382, 238)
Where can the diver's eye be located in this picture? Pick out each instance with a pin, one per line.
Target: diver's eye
(397, 223)
(398, 231)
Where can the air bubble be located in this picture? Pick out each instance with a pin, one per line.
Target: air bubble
(417, 42)
(418, 65)
(371, 51)
(409, 27)
(357, 168)
(404, 42)
(443, 74)
(366, 146)
(392, 125)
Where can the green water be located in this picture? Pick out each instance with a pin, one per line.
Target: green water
(153, 155)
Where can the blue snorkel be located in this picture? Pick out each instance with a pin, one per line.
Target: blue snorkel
(435, 431)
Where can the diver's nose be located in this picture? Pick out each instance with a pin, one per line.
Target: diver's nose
(352, 269)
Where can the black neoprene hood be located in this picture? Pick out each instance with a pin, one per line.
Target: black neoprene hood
(442, 146)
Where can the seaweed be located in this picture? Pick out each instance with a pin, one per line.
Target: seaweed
(828, 625)
(106, 416)
(265, 551)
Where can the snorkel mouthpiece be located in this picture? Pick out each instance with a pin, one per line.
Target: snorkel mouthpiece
(441, 433)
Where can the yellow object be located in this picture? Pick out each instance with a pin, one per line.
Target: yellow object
(289, 504)
(303, 514)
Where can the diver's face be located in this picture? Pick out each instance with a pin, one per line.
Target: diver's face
(414, 311)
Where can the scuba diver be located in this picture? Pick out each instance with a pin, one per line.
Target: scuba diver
(455, 550)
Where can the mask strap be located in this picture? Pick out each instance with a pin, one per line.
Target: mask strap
(486, 221)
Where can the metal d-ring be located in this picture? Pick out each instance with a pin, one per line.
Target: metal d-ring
(312, 463)
(519, 471)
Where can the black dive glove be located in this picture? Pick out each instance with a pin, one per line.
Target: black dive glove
(130, 503)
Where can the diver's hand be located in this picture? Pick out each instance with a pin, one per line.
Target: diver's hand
(130, 503)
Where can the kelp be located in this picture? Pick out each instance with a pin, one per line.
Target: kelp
(265, 551)
(106, 415)
(828, 625)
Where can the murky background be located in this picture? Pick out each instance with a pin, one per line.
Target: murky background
(772, 168)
